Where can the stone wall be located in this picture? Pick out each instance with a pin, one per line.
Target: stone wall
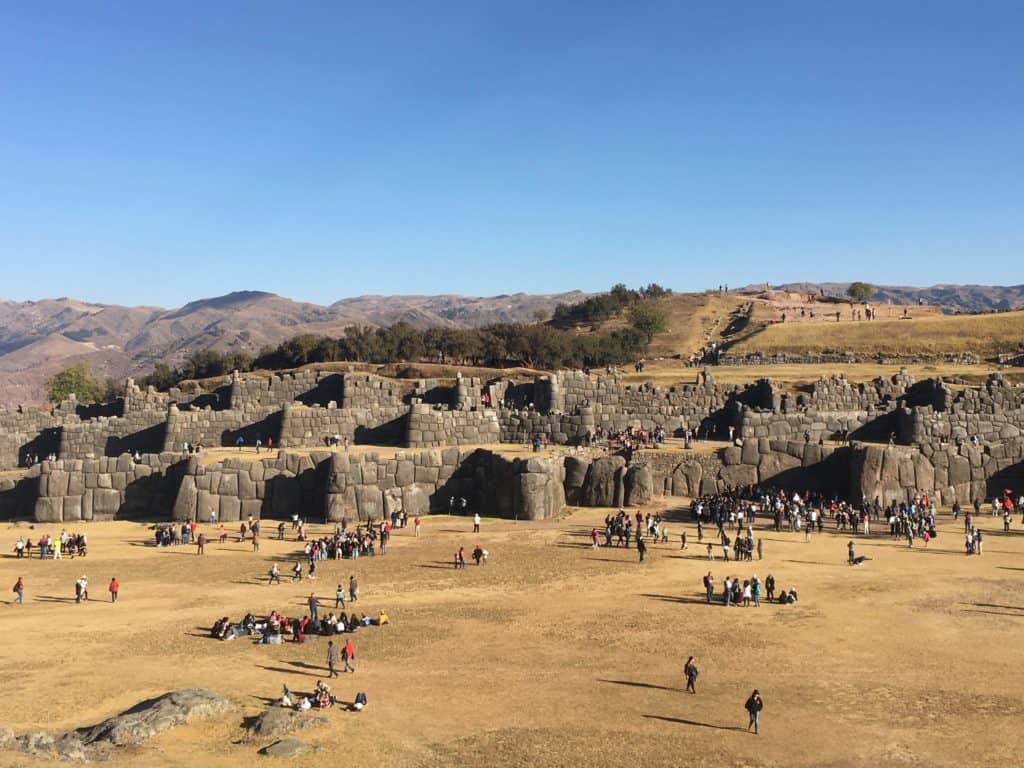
(992, 413)
(376, 425)
(432, 427)
(212, 428)
(948, 473)
(142, 430)
(104, 488)
(307, 386)
(18, 495)
(364, 390)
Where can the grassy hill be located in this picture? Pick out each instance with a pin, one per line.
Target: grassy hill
(984, 335)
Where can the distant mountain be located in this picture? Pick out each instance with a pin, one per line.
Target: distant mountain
(949, 298)
(38, 338)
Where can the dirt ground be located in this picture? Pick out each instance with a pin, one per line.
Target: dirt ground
(553, 654)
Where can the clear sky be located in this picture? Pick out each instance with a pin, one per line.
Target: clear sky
(153, 153)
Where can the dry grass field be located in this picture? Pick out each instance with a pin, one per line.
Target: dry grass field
(929, 335)
(553, 654)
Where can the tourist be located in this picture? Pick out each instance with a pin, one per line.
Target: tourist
(691, 672)
(297, 571)
(641, 547)
(332, 659)
(754, 705)
(200, 543)
(113, 589)
(353, 589)
(760, 549)
(359, 703)
(81, 589)
(348, 655)
(19, 547)
(314, 606)
(769, 587)
(274, 575)
(416, 526)
(851, 553)
(476, 518)
(709, 586)
(19, 591)
(339, 597)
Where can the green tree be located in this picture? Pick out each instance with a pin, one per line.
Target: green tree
(649, 319)
(860, 291)
(75, 380)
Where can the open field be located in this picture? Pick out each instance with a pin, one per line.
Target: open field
(931, 335)
(553, 654)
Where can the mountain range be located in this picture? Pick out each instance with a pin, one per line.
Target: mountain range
(38, 338)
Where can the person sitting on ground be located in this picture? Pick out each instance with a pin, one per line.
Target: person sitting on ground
(287, 698)
(790, 597)
(353, 622)
(303, 704)
(382, 619)
(360, 702)
(365, 620)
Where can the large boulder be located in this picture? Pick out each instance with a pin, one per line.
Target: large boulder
(285, 748)
(639, 485)
(737, 476)
(575, 476)
(415, 501)
(277, 721)
(603, 485)
(150, 718)
(187, 501)
(537, 495)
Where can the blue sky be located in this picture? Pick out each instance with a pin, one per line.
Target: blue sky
(157, 153)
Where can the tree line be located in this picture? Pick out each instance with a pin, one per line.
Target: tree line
(556, 343)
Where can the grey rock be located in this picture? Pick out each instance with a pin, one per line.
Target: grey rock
(285, 748)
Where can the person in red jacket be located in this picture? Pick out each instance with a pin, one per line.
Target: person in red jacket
(114, 587)
(349, 657)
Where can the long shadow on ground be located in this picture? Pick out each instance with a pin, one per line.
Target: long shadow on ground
(683, 721)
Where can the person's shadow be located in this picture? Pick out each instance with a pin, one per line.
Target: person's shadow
(683, 721)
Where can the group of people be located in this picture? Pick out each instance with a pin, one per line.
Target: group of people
(321, 698)
(276, 628)
(49, 547)
(747, 592)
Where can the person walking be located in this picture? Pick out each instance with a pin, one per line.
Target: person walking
(641, 548)
(476, 521)
(113, 588)
(416, 526)
(682, 540)
(19, 591)
(255, 540)
(200, 543)
(353, 589)
(348, 655)
(760, 549)
(314, 607)
(297, 571)
(754, 706)
(339, 597)
(332, 659)
(274, 575)
(709, 586)
(690, 670)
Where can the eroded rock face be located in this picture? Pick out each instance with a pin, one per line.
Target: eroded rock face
(131, 728)
(144, 721)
